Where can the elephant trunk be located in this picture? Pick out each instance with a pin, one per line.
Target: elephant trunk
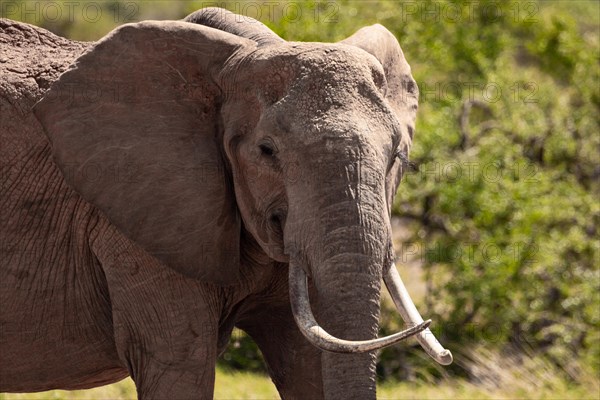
(347, 287)
(343, 250)
(339, 240)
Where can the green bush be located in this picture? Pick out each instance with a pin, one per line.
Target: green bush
(506, 198)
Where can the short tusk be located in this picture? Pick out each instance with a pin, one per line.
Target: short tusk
(411, 316)
(319, 337)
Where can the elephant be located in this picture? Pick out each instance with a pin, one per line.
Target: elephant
(177, 179)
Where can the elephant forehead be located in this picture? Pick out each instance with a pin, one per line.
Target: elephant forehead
(335, 69)
(338, 79)
(319, 81)
(331, 90)
(336, 95)
(337, 61)
(316, 67)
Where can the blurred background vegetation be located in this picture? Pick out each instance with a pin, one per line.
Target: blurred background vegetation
(499, 216)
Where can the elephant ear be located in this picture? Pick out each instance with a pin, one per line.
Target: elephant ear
(239, 25)
(134, 126)
(402, 91)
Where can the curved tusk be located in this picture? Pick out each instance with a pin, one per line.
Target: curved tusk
(411, 316)
(319, 337)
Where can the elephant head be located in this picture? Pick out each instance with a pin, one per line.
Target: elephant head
(187, 133)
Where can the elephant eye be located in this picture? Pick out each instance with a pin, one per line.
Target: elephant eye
(400, 155)
(266, 149)
(403, 157)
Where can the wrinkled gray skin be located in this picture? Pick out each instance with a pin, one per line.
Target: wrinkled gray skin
(143, 215)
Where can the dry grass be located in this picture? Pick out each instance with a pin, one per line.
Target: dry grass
(507, 375)
(498, 376)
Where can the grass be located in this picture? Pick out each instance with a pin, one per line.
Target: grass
(529, 381)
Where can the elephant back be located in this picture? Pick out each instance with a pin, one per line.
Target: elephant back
(31, 58)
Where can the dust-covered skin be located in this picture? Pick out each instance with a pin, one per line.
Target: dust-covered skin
(152, 199)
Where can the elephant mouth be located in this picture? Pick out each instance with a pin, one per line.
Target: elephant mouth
(320, 338)
(275, 224)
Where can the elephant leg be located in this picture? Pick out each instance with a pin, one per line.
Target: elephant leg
(165, 325)
(167, 336)
(293, 363)
(153, 380)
